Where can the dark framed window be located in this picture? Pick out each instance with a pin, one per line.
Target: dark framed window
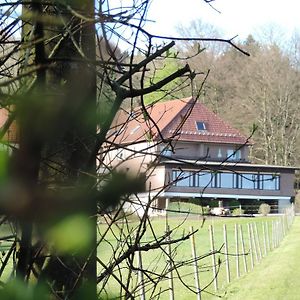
(181, 178)
(194, 179)
(249, 181)
(237, 181)
(200, 125)
(226, 180)
(269, 182)
(205, 179)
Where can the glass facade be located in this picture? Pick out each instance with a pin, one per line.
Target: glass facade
(227, 180)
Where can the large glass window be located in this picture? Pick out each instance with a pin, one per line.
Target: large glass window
(249, 181)
(205, 179)
(226, 180)
(181, 178)
(215, 179)
(269, 182)
(237, 181)
(194, 179)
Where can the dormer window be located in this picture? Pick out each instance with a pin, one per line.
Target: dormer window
(200, 126)
(134, 130)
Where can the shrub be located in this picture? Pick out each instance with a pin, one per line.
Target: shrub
(238, 211)
(264, 209)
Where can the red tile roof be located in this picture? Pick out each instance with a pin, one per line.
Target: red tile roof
(12, 134)
(173, 119)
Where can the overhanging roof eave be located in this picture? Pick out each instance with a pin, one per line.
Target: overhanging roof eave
(226, 164)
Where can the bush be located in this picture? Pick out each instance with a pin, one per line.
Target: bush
(264, 209)
(238, 212)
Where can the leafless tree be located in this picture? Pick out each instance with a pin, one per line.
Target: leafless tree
(64, 78)
(260, 92)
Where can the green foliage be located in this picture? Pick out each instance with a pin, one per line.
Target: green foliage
(169, 66)
(3, 165)
(264, 209)
(18, 290)
(233, 203)
(238, 212)
(73, 234)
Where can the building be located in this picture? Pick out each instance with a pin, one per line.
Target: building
(188, 153)
(9, 135)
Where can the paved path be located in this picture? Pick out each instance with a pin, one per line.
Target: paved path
(277, 277)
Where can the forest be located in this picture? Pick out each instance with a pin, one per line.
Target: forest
(258, 94)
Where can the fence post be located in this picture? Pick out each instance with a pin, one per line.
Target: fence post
(141, 276)
(214, 264)
(264, 238)
(253, 242)
(283, 226)
(243, 249)
(277, 233)
(280, 229)
(250, 246)
(287, 211)
(273, 235)
(258, 241)
(287, 219)
(226, 253)
(237, 260)
(268, 236)
(170, 264)
(196, 271)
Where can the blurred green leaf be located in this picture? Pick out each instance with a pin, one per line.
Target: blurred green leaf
(72, 235)
(3, 165)
(18, 290)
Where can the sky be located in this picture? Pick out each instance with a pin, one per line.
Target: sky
(235, 17)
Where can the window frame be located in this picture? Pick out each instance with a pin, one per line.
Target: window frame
(203, 126)
(210, 179)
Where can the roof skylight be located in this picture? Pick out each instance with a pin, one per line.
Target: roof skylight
(200, 125)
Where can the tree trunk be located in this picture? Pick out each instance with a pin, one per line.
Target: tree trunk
(63, 105)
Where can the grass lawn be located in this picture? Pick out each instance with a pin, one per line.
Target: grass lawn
(155, 260)
(278, 275)
(275, 277)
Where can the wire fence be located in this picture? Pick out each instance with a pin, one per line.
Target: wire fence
(249, 244)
